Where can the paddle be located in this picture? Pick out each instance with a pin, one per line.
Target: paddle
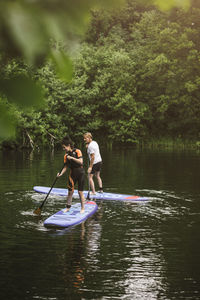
(88, 195)
(37, 211)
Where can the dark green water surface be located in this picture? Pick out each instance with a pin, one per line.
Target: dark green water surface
(147, 250)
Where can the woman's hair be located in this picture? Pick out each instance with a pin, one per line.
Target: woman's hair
(67, 142)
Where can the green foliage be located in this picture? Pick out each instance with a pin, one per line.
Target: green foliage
(22, 90)
(164, 69)
(8, 120)
(136, 77)
(29, 30)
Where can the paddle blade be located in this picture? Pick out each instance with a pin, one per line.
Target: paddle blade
(37, 211)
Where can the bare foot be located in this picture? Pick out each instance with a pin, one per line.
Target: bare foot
(66, 210)
(93, 193)
(82, 211)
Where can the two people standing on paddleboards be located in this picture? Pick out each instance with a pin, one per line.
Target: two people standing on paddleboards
(73, 159)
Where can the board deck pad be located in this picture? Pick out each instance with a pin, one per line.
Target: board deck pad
(72, 217)
(99, 196)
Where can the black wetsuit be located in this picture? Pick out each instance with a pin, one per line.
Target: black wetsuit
(77, 173)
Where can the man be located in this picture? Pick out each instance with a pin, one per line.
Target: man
(95, 162)
(74, 160)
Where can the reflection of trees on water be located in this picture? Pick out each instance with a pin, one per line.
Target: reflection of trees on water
(145, 273)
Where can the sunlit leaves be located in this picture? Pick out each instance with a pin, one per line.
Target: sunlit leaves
(168, 4)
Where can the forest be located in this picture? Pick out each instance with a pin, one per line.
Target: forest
(133, 77)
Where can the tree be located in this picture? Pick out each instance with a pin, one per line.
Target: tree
(32, 31)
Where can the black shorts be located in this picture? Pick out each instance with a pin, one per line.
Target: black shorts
(76, 175)
(96, 167)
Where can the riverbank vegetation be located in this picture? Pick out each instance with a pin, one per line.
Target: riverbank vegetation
(136, 80)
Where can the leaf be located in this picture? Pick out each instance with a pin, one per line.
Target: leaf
(26, 29)
(63, 64)
(22, 90)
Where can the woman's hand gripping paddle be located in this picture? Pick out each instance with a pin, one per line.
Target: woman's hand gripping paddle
(37, 211)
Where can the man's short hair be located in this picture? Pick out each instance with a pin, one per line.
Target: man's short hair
(88, 134)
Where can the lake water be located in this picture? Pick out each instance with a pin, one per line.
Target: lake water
(146, 250)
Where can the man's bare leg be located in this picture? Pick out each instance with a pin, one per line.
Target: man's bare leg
(82, 198)
(97, 174)
(92, 184)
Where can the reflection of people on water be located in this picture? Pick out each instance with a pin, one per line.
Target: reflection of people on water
(73, 269)
(82, 246)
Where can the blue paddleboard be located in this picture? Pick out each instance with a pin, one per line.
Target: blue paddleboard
(72, 217)
(101, 196)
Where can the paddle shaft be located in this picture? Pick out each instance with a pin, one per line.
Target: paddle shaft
(48, 193)
(88, 195)
(40, 207)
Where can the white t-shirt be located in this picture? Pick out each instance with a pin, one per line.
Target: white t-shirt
(93, 147)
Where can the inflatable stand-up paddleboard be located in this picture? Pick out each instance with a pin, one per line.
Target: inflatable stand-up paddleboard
(72, 217)
(99, 196)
